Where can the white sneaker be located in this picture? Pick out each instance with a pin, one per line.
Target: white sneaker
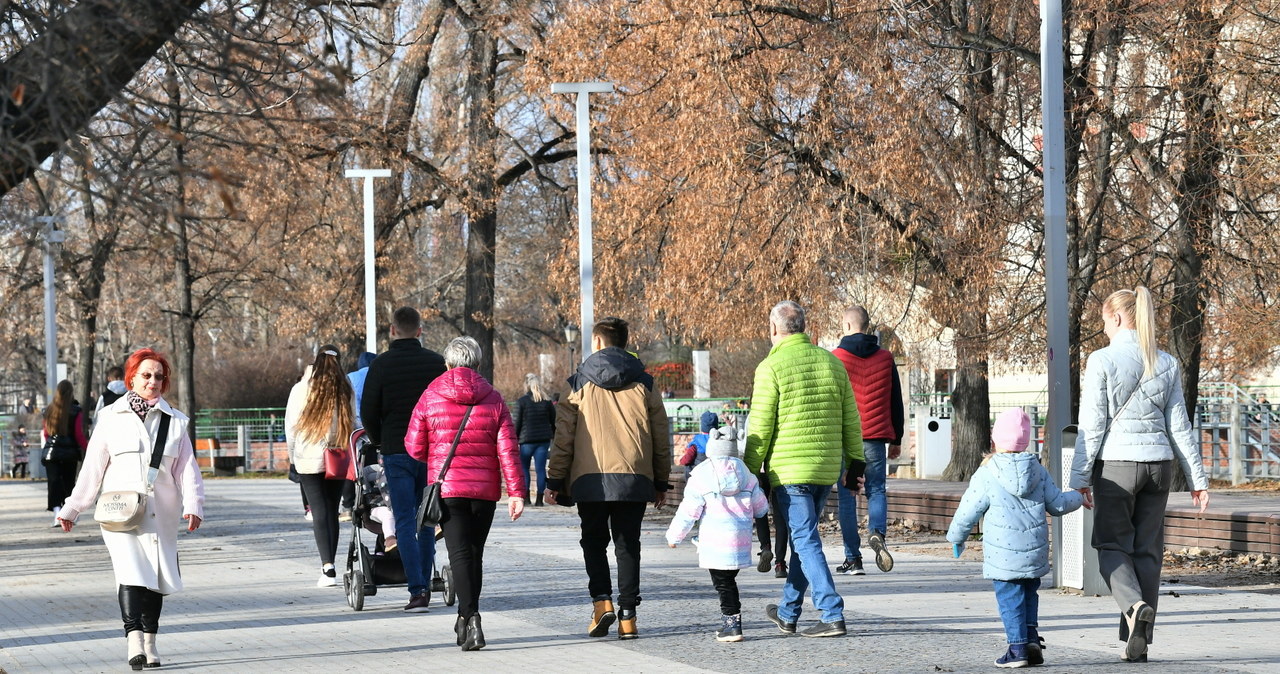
(326, 581)
(307, 517)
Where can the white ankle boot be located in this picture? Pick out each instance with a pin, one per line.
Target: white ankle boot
(149, 647)
(136, 658)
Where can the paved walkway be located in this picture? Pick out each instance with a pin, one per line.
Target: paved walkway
(251, 606)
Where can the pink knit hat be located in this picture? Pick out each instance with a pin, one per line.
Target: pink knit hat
(1012, 431)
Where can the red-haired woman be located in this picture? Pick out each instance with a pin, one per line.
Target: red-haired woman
(119, 457)
(62, 445)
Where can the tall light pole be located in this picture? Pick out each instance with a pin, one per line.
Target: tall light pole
(370, 283)
(1055, 248)
(52, 238)
(586, 266)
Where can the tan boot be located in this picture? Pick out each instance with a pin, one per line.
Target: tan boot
(627, 624)
(601, 618)
(149, 647)
(136, 658)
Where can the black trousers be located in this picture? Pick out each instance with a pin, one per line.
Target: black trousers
(18, 467)
(782, 532)
(619, 520)
(465, 533)
(323, 495)
(62, 480)
(140, 608)
(726, 584)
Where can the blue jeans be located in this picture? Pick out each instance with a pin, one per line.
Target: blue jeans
(877, 503)
(1019, 607)
(808, 567)
(538, 452)
(406, 478)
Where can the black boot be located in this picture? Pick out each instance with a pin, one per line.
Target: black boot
(538, 502)
(475, 635)
(460, 629)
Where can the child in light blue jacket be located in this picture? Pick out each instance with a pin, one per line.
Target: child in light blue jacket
(1014, 491)
(727, 498)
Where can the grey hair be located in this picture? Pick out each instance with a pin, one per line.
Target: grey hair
(788, 316)
(462, 352)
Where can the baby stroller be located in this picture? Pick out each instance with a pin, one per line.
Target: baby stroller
(368, 570)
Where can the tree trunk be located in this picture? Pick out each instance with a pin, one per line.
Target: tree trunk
(970, 402)
(481, 204)
(55, 84)
(184, 349)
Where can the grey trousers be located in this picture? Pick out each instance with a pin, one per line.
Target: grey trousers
(1128, 529)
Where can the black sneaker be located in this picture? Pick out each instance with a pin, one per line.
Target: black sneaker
(1014, 658)
(730, 628)
(418, 603)
(771, 612)
(766, 561)
(1035, 646)
(851, 567)
(884, 560)
(835, 629)
(780, 570)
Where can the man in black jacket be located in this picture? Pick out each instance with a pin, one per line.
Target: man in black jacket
(395, 381)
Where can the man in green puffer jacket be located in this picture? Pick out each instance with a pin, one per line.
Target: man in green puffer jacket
(803, 422)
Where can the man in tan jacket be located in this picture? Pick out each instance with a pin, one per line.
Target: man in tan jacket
(612, 455)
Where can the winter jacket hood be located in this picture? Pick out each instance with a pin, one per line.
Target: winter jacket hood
(1017, 473)
(116, 387)
(860, 344)
(462, 385)
(611, 368)
(1014, 492)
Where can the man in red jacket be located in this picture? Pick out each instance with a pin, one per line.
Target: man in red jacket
(878, 392)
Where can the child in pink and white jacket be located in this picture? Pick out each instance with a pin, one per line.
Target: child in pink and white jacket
(727, 498)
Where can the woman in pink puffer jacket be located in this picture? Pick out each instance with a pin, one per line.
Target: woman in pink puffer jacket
(486, 456)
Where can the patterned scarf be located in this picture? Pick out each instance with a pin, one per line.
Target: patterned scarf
(139, 405)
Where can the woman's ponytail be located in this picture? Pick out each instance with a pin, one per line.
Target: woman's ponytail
(1144, 320)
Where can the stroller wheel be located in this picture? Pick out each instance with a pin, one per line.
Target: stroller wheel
(450, 593)
(353, 583)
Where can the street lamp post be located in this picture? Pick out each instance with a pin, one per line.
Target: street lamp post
(586, 266)
(370, 283)
(52, 237)
(571, 333)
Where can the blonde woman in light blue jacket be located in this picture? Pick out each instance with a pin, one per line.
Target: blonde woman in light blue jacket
(1133, 425)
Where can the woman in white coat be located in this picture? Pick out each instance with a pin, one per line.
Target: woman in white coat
(320, 414)
(1133, 426)
(145, 560)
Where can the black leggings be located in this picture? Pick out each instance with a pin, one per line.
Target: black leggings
(465, 533)
(726, 584)
(18, 467)
(62, 480)
(323, 495)
(140, 608)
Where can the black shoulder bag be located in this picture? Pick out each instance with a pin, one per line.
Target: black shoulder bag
(431, 511)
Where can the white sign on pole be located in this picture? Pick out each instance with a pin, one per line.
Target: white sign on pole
(586, 266)
(370, 283)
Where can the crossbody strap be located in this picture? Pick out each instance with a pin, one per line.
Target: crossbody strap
(1107, 434)
(454, 447)
(157, 452)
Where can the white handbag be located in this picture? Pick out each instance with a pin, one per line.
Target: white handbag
(124, 510)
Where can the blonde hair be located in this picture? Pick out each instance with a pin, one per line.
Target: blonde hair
(329, 397)
(1136, 306)
(533, 386)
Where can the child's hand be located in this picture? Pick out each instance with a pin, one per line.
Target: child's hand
(671, 545)
(957, 549)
